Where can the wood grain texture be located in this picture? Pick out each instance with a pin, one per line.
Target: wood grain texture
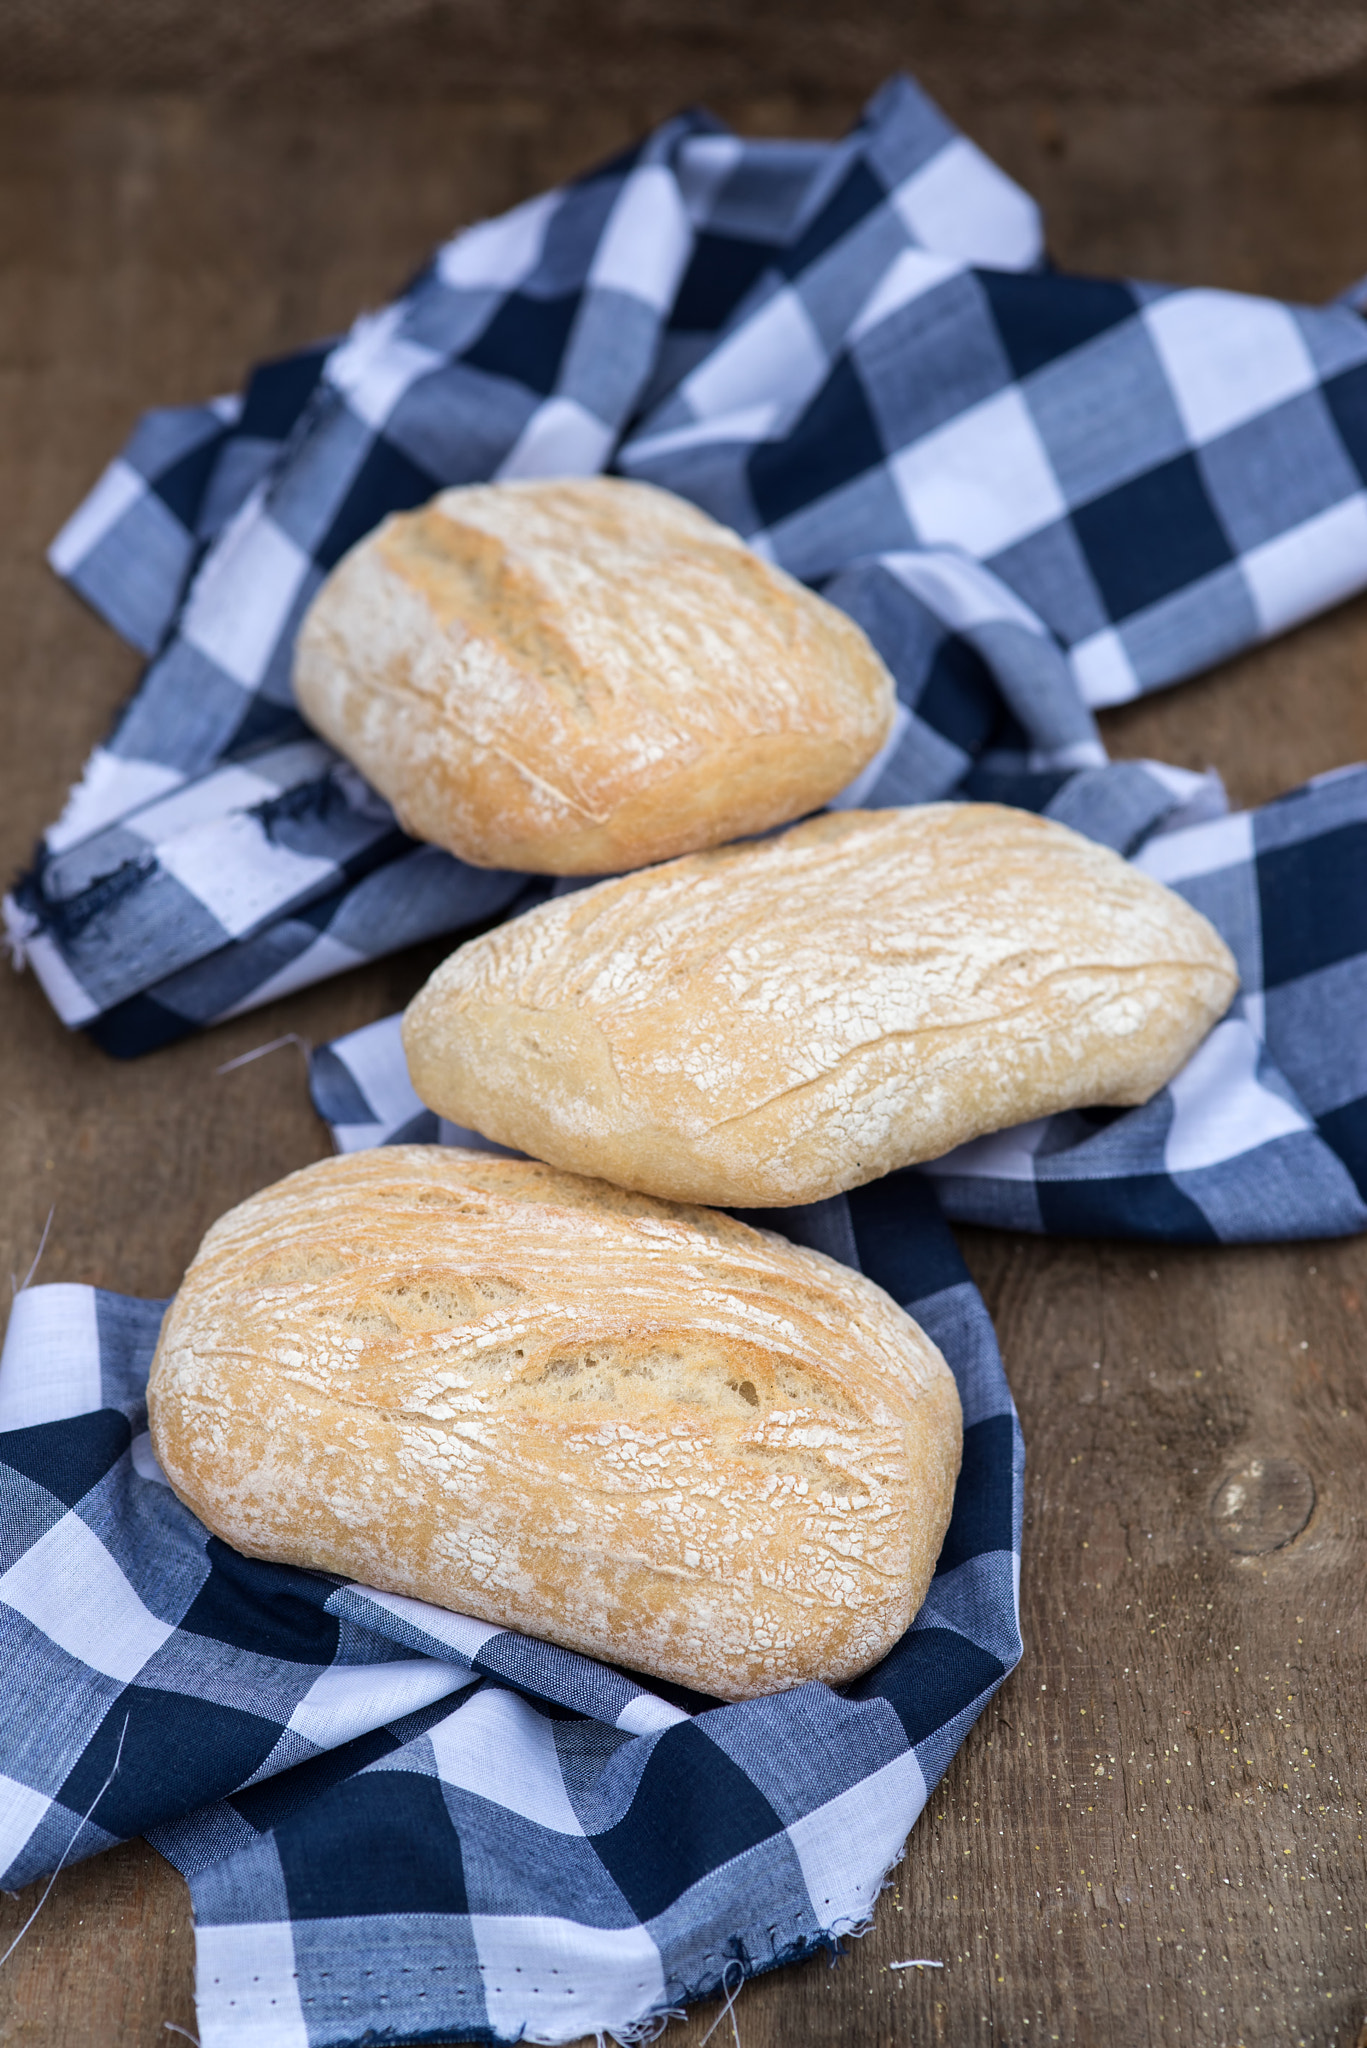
(565, 49)
(1155, 1834)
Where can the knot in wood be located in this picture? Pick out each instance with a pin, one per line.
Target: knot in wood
(1262, 1505)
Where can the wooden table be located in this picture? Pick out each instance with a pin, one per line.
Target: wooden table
(1155, 1834)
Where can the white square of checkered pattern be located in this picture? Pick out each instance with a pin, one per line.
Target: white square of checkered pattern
(770, 366)
(1315, 565)
(874, 1811)
(541, 1974)
(562, 438)
(247, 1987)
(21, 1809)
(982, 482)
(647, 240)
(348, 1700)
(109, 789)
(960, 201)
(73, 1592)
(54, 1332)
(118, 490)
(1220, 1106)
(1228, 357)
(1104, 671)
(496, 255)
(472, 1748)
(238, 605)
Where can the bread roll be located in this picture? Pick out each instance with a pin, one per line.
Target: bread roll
(646, 1432)
(578, 677)
(768, 1024)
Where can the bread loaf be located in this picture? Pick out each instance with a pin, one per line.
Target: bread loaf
(646, 1432)
(578, 677)
(767, 1024)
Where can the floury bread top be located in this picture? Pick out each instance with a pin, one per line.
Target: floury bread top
(643, 1431)
(769, 1024)
(584, 676)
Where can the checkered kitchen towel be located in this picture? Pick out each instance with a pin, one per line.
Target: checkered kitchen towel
(398, 1823)
(1039, 493)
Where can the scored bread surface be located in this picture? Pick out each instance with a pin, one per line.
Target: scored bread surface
(643, 1431)
(769, 1024)
(582, 676)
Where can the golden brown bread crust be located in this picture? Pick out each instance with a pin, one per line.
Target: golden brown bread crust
(643, 1431)
(583, 676)
(769, 1024)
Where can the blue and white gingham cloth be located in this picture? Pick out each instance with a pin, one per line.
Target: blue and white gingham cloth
(398, 1823)
(1038, 493)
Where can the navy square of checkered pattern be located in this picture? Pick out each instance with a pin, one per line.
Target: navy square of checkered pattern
(399, 1822)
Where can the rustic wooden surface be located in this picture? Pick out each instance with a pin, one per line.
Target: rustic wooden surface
(1155, 1835)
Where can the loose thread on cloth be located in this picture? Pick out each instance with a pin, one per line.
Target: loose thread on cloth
(171, 2028)
(728, 2011)
(16, 930)
(259, 1052)
(76, 1835)
(916, 1963)
(42, 1246)
(640, 2033)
